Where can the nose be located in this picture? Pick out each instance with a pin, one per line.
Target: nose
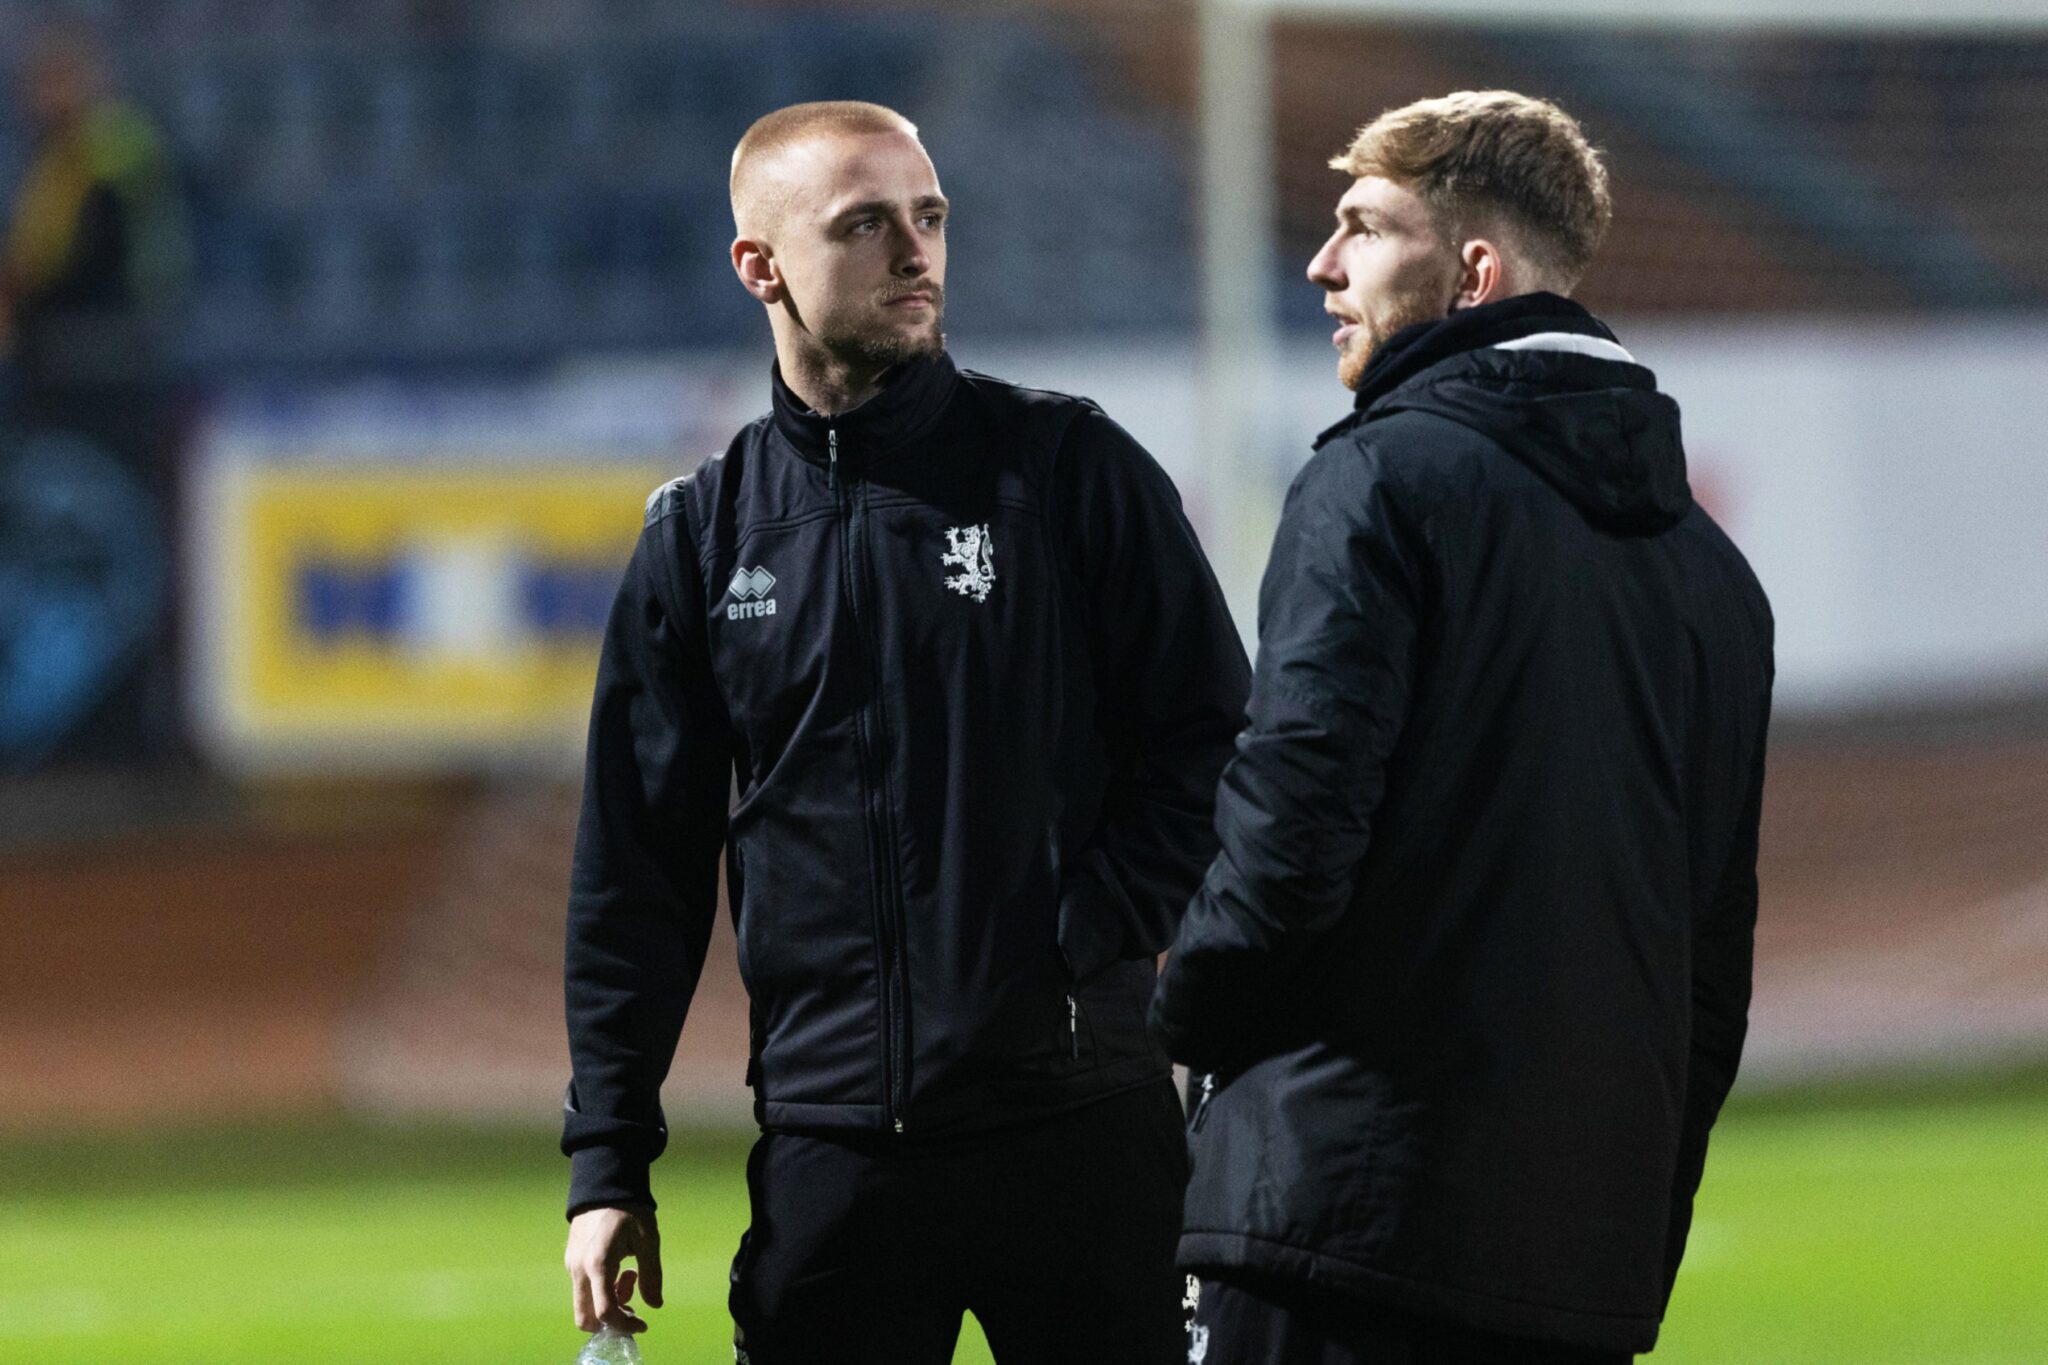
(912, 260)
(1323, 268)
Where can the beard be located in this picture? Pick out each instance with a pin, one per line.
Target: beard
(1424, 303)
(871, 339)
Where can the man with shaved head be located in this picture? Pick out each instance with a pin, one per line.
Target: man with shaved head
(938, 666)
(811, 185)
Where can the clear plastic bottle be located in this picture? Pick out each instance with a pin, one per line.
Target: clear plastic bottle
(610, 1347)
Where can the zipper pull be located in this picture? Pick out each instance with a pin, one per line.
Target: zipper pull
(1202, 1104)
(832, 453)
(1074, 1025)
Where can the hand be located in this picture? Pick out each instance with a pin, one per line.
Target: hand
(599, 1239)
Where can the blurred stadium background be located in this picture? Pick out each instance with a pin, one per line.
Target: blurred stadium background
(333, 384)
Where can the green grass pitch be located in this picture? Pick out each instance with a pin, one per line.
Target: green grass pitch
(1864, 1228)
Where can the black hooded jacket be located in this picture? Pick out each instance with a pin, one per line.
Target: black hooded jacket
(1471, 971)
(949, 681)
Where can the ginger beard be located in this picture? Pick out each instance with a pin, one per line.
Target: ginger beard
(1388, 264)
(1426, 300)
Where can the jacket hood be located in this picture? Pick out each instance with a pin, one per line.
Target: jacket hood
(1546, 380)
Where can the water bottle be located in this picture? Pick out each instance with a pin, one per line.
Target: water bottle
(609, 1347)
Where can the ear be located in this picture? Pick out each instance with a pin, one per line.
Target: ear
(754, 262)
(1482, 274)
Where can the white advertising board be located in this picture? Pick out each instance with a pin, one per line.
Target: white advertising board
(1889, 483)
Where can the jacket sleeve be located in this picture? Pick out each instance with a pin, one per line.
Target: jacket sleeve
(1170, 679)
(1339, 612)
(1723, 953)
(644, 884)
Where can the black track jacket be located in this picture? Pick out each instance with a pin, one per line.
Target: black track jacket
(1472, 968)
(949, 680)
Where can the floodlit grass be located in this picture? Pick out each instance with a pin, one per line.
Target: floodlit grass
(1862, 1228)
(1872, 1229)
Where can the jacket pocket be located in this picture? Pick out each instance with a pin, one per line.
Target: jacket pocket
(1077, 1021)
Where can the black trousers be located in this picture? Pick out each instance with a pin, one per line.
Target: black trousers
(1275, 1323)
(1058, 1236)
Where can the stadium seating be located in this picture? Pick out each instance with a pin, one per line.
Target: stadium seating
(367, 192)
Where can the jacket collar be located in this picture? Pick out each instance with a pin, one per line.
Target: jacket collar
(912, 398)
(1410, 351)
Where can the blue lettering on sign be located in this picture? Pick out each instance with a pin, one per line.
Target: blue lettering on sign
(335, 600)
(567, 599)
(338, 600)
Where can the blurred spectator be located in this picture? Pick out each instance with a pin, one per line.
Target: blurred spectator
(91, 269)
(96, 249)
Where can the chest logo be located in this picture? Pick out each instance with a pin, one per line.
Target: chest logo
(973, 551)
(749, 589)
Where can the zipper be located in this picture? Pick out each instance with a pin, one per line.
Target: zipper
(1202, 1104)
(1052, 852)
(881, 832)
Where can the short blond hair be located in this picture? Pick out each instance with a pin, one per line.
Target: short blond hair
(1498, 159)
(790, 125)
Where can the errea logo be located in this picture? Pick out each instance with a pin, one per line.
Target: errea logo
(749, 588)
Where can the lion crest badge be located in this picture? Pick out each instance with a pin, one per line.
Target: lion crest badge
(973, 551)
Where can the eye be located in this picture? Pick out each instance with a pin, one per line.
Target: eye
(932, 222)
(865, 226)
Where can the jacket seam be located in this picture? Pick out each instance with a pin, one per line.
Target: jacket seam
(1321, 1253)
(982, 377)
(707, 552)
(704, 632)
(673, 596)
(1054, 515)
(1326, 709)
(1015, 504)
(1404, 498)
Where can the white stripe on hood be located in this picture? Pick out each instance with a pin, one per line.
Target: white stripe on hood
(1568, 341)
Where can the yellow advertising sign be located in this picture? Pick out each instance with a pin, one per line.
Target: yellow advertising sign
(396, 614)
